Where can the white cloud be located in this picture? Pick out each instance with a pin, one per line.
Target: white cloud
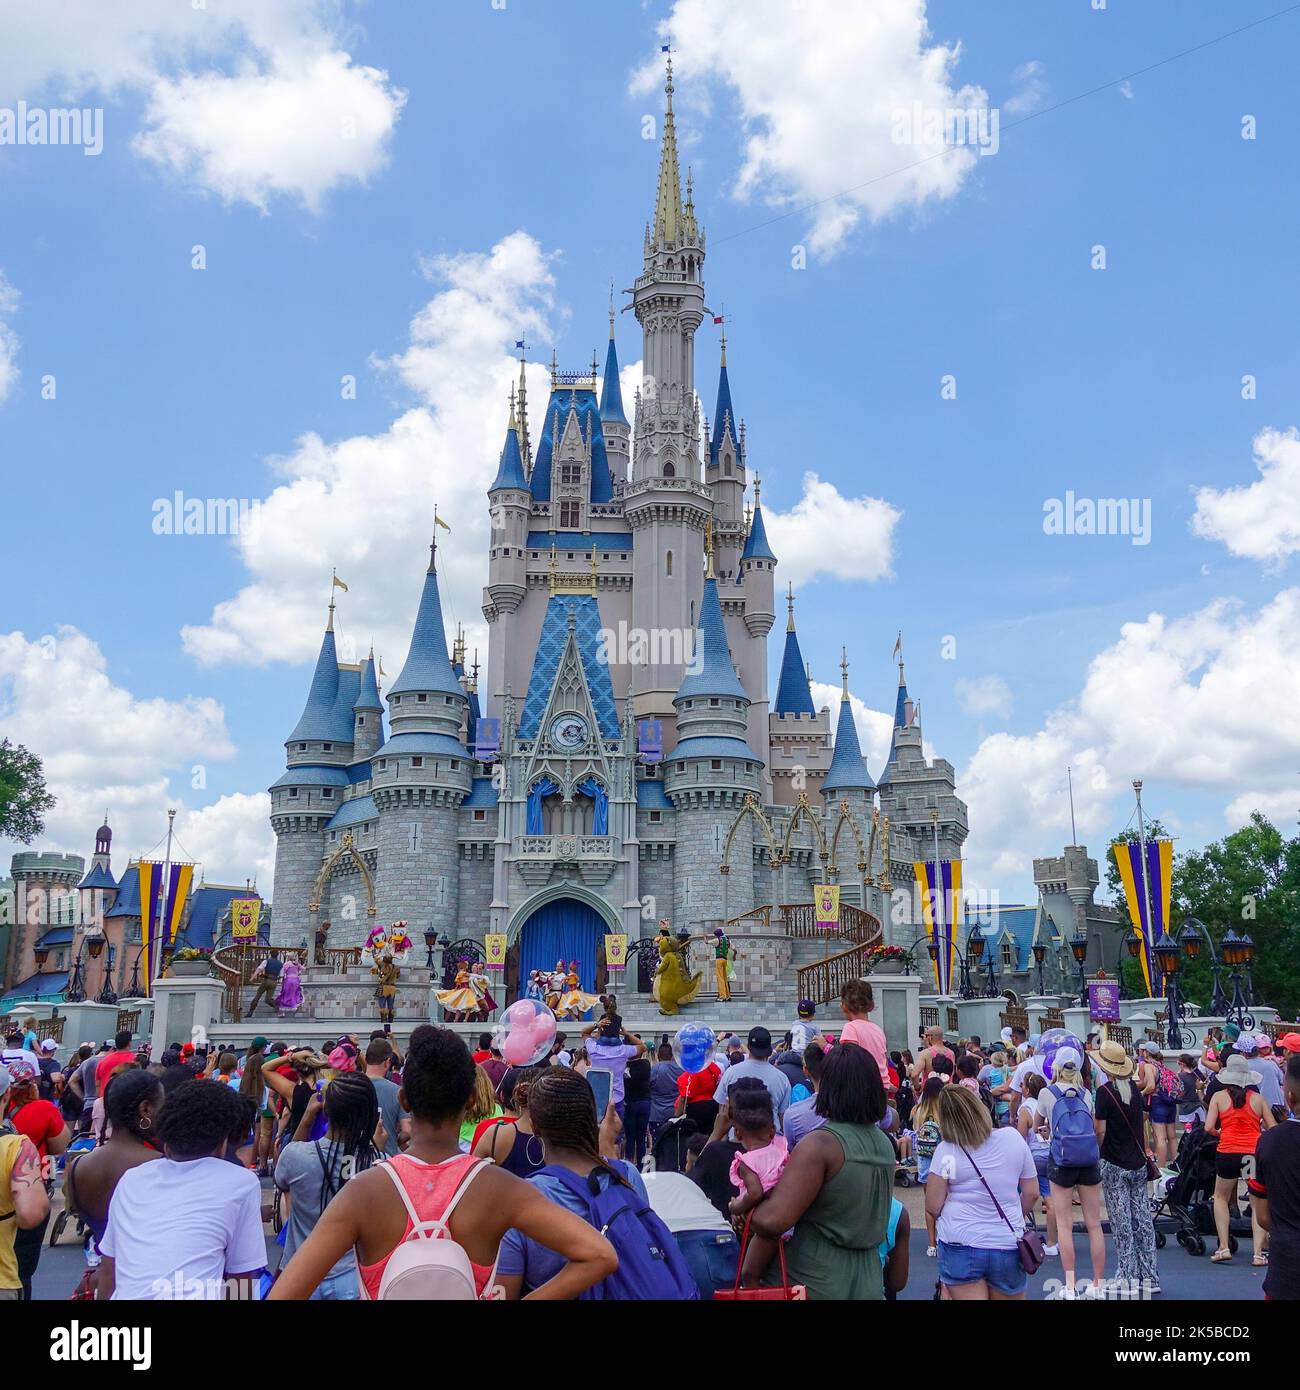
(103, 746)
(983, 695)
(1260, 520)
(8, 338)
(1281, 806)
(1033, 88)
(828, 533)
(875, 727)
(366, 503)
(250, 98)
(1203, 703)
(820, 86)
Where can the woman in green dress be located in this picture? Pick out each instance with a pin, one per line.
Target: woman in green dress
(835, 1191)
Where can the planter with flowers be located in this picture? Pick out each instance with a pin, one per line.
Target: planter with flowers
(886, 960)
(190, 960)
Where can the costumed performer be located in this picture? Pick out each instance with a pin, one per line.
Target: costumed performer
(574, 1002)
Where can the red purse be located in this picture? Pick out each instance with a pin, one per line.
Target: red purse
(785, 1292)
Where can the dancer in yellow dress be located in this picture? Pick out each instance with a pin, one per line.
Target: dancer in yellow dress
(675, 986)
(574, 1002)
(460, 1001)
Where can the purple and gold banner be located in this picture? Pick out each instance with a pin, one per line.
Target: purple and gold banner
(940, 908)
(177, 895)
(1159, 875)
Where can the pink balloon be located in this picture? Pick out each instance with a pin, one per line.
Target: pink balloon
(518, 1048)
(521, 1011)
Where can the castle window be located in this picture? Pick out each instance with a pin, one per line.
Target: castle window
(726, 465)
(302, 747)
(480, 814)
(383, 764)
(669, 470)
(421, 699)
(293, 793)
(570, 515)
(571, 474)
(417, 762)
(327, 748)
(395, 699)
(361, 721)
(455, 765)
(714, 702)
(656, 817)
(715, 764)
(1008, 956)
(327, 794)
(668, 563)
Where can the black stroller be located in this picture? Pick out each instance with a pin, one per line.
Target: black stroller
(669, 1148)
(1187, 1205)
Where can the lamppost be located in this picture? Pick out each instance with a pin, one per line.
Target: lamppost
(1194, 936)
(1238, 951)
(1079, 950)
(1167, 953)
(1133, 945)
(133, 989)
(1040, 955)
(969, 961)
(430, 940)
(107, 995)
(991, 990)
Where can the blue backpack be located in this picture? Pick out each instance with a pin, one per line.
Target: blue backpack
(650, 1266)
(1074, 1140)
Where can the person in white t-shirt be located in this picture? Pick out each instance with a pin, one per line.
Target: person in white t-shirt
(1026, 1062)
(189, 1225)
(703, 1235)
(982, 1183)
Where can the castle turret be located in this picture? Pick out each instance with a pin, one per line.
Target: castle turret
(848, 783)
(422, 774)
(666, 503)
(510, 503)
(367, 713)
(726, 475)
(618, 433)
(709, 773)
(799, 735)
(758, 577)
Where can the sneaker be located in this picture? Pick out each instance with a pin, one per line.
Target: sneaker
(931, 1251)
(1051, 1249)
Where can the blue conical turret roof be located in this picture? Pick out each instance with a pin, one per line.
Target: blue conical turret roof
(717, 675)
(757, 546)
(792, 693)
(611, 394)
(317, 720)
(427, 664)
(848, 769)
(724, 416)
(369, 699)
(510, 472)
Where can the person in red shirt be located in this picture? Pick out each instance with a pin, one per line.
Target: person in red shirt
(695, 1096)
(484, 1048)
(122, 1055)
(42, 1122)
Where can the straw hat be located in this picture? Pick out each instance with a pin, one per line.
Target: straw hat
(1235, 1072)
(1113, 1060)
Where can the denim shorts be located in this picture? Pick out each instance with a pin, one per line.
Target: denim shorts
(967, 1264)
(923, 1167)
(1163, 1111)
(1044, 1185)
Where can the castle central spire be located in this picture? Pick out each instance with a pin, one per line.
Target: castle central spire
(668, 202)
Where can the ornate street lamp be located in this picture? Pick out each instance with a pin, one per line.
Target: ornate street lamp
(1133, 945)
(40, 954)
(969, 961)
(1079, 950)
(107, 995)
(1040, 955)
(990, 971)
(133, 989)
(1195, 937)
(1168, 953)
(1238, 952)
(430, 940)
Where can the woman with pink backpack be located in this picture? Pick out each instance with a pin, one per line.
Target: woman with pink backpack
(428, 1223)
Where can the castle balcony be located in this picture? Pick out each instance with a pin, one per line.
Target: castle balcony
(594, 857)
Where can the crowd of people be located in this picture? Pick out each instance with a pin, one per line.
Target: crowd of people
(769, 1169)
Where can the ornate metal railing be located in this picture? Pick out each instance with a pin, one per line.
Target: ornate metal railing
(1280, 1029)
(573, 846)
(1013, 1017)
(1120, 1033)
(824, 981)
(760, 915)
(1053, 1018)
(954, 1024)
(128, 1018)
(929, 1016)
(855, 925)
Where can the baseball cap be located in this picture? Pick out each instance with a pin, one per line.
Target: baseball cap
(258, 1044)
(20, 1071)
(759, 1040)
(1290, 1041)
(1066, 1059)
(49, 1045)
(806, 1006)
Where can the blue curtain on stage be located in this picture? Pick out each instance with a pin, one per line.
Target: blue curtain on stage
(543, 789)
(565, 930)
(600, 814)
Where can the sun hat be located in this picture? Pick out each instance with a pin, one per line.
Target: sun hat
(1235, 1072)
(1113, 1060)
(1247, 1045)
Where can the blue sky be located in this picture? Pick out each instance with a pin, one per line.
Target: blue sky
(521, 129)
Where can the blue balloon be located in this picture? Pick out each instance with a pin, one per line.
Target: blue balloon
(1051, 1043)
(694, 1046)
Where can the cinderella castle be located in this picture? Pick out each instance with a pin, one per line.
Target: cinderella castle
(626, 761)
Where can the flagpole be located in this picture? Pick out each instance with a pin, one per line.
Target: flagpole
(1147, 940)
(1074, 834)
(160, 926)
(935, 904)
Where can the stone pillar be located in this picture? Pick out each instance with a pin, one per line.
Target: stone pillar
(184, 1009)
(898, 1008)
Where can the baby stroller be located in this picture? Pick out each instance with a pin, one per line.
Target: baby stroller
(669, 1149)
(1187, 1204)
(81, 1144)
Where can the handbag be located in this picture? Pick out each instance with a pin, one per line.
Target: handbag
(1029, 1246)
(785, 1292)
(1153, 1170)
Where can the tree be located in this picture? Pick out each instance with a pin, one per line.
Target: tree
(23, 797)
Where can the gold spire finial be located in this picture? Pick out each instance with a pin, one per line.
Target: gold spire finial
(789, 600)
(593, 564)
(668, 201)
(513, 425)
(844, 671)
(551, 567)
(758, 491)
(708, 546)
